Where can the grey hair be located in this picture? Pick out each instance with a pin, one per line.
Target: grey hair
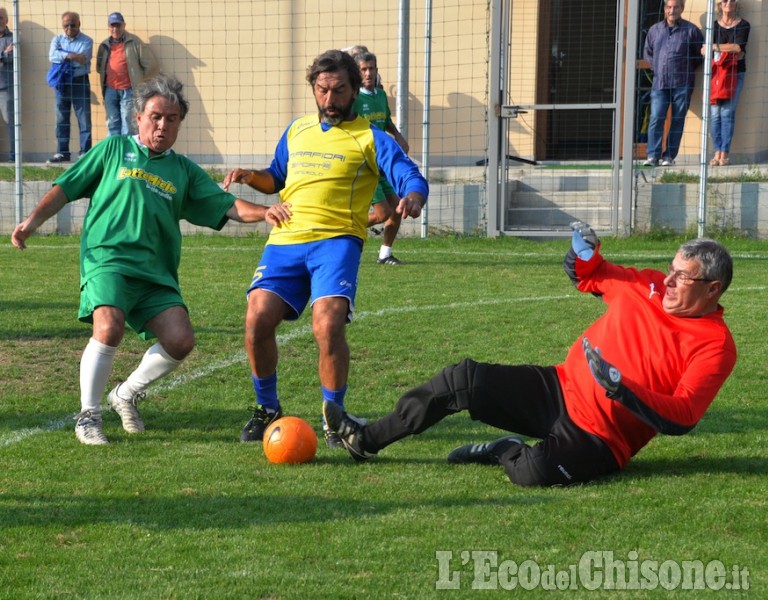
(719, 7)
(166, 86)
(716, 264)
(353, 51)
(366, 57)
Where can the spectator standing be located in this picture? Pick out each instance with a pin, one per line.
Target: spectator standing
(673, 49)
(730, 37)
(123, 61)
(6, 82)
(74, 47)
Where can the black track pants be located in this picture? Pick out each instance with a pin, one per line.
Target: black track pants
(523, 399)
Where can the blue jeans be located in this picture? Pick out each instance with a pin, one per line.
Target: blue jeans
(679, 98)
(121, 116)
(77, 96)
(723, 118)
(6, 112)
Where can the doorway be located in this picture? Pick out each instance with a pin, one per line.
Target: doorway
(578, 39)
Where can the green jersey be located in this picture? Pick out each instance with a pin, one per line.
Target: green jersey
(136, 201)
(373, 107)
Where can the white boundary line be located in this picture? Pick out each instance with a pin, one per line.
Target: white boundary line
(612, 256)
(15, 437)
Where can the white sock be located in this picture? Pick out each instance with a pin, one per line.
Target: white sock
(95, 368)
(155, 364)
(385, 252)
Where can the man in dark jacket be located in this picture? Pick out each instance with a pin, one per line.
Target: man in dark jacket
(123, 61)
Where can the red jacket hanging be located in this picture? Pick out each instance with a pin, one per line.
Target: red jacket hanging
(724, 77)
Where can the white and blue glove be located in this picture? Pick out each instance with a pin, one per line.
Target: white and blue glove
(608, 376)
(584, 240)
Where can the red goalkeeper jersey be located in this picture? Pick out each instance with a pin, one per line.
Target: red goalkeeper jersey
(673, 365)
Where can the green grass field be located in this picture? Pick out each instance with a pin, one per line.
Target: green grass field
(187, 511)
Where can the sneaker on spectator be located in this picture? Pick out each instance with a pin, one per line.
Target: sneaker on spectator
(667, 162)
(57, 158)
(650, 162)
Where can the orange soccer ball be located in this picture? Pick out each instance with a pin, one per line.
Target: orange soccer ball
(290, 440)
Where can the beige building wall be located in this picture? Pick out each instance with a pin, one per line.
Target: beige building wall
(243, 65)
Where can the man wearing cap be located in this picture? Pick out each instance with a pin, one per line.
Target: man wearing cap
(76, 49)
(123, 61)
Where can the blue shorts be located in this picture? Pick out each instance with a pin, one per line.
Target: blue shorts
(299, 273)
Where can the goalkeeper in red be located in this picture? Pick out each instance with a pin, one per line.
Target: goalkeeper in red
(652, 363)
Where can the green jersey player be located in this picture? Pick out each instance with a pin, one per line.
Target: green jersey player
(139, 189)
(371, 104)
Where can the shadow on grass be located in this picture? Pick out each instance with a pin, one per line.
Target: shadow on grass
(696, 465)
(733, 419)
(215, 511)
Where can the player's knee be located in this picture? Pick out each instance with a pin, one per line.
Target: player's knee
(261, 322)
(463, 379)
(180, 346)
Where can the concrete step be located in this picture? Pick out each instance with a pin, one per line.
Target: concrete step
(556, 217)
(559, 208)
(521, 199)
(553, 181)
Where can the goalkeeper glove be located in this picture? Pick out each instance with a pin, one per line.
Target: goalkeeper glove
(584, 240)
(608, 376)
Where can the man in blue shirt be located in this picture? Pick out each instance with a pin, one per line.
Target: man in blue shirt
(77, 48)
(673, 49)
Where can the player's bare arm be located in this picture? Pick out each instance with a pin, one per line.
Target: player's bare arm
(53, 201)
(243, 211)
(261, 181)
(279, 213)
(381, 212)
(248, 212)
(401, 141)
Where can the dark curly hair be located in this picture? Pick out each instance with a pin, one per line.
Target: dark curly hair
(333, 61)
